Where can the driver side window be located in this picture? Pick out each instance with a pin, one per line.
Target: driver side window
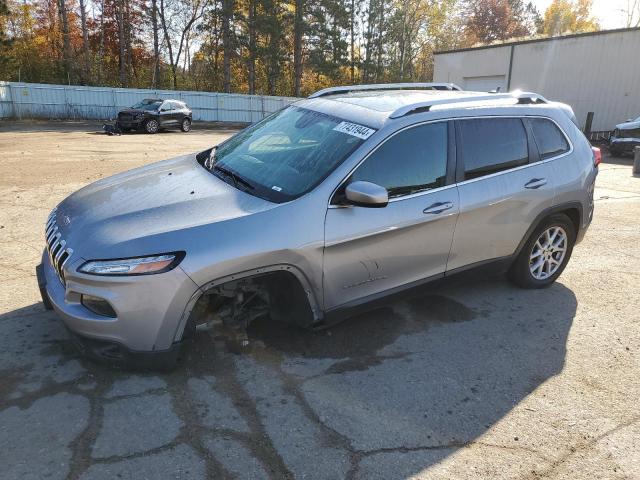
(411, 161)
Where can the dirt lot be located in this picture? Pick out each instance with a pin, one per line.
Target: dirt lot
(471, 380)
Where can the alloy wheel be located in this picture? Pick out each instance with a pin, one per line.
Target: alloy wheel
(152, 126)
(548, 253)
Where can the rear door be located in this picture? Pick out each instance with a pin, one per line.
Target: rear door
(369, 251)
(178, 112)
(503, 184)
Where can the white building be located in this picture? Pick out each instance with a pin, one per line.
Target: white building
(593, 72)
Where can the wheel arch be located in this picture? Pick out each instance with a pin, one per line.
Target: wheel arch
(291, 271)
(573, 210)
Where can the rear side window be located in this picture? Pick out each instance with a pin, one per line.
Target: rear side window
(411, 161)
(550, 140)
(490, 145)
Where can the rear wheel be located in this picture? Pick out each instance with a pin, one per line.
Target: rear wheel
(546, 253)
(185, 126)
(151, 126)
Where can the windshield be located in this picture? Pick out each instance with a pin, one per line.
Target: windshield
(148, 105)
(287, 154)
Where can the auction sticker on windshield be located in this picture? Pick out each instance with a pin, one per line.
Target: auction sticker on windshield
(354, 129)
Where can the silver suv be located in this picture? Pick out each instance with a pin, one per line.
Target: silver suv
(333, 202)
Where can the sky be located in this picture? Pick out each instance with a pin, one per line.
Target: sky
(609, 12)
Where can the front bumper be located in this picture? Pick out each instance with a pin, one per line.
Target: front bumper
(132, 123)
(149, 311)
(623, 145)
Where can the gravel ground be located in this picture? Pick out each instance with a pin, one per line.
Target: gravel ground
(473, 379)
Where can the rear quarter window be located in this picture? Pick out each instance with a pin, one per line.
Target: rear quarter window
(550, 140)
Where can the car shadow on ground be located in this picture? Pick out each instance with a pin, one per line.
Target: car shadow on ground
(386, 394)
(421, 377)
(615, 160)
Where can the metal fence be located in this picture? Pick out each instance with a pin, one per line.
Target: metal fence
(37, 100)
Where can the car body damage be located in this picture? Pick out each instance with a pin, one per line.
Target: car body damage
(625, 137)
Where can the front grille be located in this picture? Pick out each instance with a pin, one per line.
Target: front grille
(59, 253)
(629, 133)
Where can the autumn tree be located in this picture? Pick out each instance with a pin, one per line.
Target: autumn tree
(493, 20)
(569, 16)
(277, 47)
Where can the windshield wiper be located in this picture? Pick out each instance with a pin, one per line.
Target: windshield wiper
(237, 179)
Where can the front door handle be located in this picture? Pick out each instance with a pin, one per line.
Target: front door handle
(535, 183)
(438, 207)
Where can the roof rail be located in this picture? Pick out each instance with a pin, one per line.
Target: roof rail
(519, 98)
(385, 86)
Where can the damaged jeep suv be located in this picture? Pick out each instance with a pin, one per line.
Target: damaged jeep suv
(340, 199)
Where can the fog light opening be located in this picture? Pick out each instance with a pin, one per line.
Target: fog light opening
(98, 305)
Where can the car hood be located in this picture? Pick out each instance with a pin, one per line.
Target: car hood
(135, 111)
(628, 125)
(155, 200)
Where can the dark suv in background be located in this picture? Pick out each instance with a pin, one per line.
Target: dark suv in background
(153, 114)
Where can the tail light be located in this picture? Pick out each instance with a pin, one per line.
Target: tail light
(597, 156)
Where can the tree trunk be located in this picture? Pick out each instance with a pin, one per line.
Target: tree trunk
(156, 46)
(128, 39)
(353, 42)
(101, 56)
(369, 36)
(227, 13)
(66, 42)
(86, 73)
(122, 60)
(168, 42)
(298, 31)
(403, 41)
(251, 62)
(380, 41)
(273, 67)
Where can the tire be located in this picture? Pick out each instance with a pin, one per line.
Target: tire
(151, 126)
(185, 126)
(540, 263)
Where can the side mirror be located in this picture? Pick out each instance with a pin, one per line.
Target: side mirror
(367, 194)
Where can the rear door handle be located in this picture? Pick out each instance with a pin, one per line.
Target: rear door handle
(438, 207)
(535, 183)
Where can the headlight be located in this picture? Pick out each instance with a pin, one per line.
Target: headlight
(133, 266)
(139, 116)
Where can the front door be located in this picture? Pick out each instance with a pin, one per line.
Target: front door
(370, 251)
